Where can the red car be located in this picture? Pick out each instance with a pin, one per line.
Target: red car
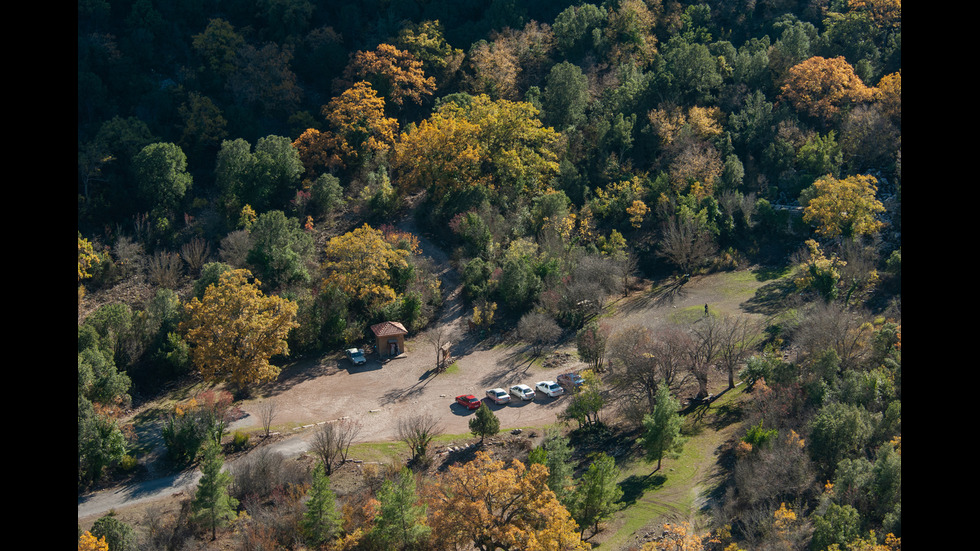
(468, 401)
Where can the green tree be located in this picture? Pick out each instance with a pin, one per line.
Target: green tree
(321, 521)
(162, 180)
(100, 442)
(578, 29)
(212, 505)
(586, 401)
(558, 459)
(484, 423)
(597, 494)
(281, 250)
(839, 431)
(566, 95)
(662, 428)
(400, 523)
(840, 524)
(118, 535)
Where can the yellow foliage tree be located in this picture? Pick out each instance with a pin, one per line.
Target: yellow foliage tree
(500, 144)
(87, 257)
(235, 329)
(822, 87)
(357, 118)
(88, 542)
(360, 263)
(843, 208)
(441, 153)
(489, 506)
(394, 73)
(889, 96)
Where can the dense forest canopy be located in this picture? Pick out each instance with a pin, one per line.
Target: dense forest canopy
(265, 151)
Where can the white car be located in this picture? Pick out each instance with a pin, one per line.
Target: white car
(498, 395)
(522, 392)
(356, 356)
(550, 388)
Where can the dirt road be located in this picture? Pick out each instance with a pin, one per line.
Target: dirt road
(377, 395)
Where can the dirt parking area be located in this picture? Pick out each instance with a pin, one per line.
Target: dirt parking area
(380, 393)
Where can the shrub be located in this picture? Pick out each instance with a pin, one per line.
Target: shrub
(240, 440)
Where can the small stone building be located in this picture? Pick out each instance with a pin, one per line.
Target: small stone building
(390, 338)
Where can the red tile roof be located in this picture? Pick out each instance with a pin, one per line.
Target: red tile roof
(388, 328)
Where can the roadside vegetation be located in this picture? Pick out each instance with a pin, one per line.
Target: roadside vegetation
(253, 185)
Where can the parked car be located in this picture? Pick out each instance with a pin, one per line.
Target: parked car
(498, 396)
(356, 356)
(550, 388)
(570, 381)
(468, 401)
(522, 392)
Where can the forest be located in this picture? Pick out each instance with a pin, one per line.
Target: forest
(254, 176)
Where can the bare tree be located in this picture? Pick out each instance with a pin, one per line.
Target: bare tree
(739, 335)
(332, 441)
(628, 264)
(234, 248)
(704, 350)
(640, 360)
(195, 253)
(538, 329)
(440, 338)
(685, 243)
(417, 431)
(267, 411)
(164, 269)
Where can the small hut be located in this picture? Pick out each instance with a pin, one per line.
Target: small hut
(390, 338)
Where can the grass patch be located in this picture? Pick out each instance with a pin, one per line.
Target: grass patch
(453, 369)
(650, 496)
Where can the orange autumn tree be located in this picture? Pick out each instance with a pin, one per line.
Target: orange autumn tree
(357, 129)
(490, 506)
(394, 73)
(235, 329)
(822, 88)
(358, 118)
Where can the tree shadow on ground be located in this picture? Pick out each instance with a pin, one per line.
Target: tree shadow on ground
(634, 486)
(664, 294)
(773, 297)
(513, 364)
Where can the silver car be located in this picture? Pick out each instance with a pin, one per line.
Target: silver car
(498, 395)
(522, 392)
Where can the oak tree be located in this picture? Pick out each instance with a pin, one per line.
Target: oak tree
(361, 263)
(843, 208)
(235, 330)
(486, 504)
(822, 88)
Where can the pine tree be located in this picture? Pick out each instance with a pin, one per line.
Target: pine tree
(559, 462)
(212, 505)
(597, 495)
(400, 521)
(663, 426)
(321, 520)
(485, 423)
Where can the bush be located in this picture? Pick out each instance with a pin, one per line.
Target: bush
(240, 440)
